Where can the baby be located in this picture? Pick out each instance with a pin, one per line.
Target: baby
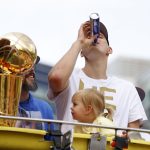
(88, 107)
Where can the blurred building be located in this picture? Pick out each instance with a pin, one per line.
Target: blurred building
(135, 70)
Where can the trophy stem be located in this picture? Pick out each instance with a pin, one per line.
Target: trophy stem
(10, 90)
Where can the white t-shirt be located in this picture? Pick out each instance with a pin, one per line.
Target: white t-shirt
(117, 92)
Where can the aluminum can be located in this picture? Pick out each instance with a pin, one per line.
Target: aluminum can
(95, 25)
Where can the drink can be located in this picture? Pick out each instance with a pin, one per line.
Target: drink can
(95, 25)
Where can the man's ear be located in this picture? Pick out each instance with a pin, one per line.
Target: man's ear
(109, 51)
(81, 54)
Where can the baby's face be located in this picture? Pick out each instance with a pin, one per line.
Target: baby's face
(78, 109)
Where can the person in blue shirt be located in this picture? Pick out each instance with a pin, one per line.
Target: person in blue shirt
(32, 107)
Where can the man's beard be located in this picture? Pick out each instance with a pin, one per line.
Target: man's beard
(29, 87)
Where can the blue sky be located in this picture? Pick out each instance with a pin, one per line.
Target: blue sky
(53, 24)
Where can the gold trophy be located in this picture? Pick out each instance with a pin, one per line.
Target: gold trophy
(17, 56)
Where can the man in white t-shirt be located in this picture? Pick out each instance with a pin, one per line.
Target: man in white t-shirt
(65, 80)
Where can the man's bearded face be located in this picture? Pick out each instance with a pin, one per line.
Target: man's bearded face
(29, 82)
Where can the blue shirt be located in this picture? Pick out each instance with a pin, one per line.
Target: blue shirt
(36, 108)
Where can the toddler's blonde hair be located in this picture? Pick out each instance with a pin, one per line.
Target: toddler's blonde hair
(92, 97)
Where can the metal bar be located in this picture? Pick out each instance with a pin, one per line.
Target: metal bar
(72, 123)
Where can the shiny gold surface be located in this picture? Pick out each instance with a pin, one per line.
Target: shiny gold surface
(17, 53)
(17, 56)
(10, 89)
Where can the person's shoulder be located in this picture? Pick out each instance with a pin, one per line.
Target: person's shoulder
(39, 101)
(104, 121)
(43, 104)
(120, 81)
(76, 71)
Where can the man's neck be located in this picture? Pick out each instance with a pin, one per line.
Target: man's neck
(95, 71)
(96, 68)
(24, 96)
